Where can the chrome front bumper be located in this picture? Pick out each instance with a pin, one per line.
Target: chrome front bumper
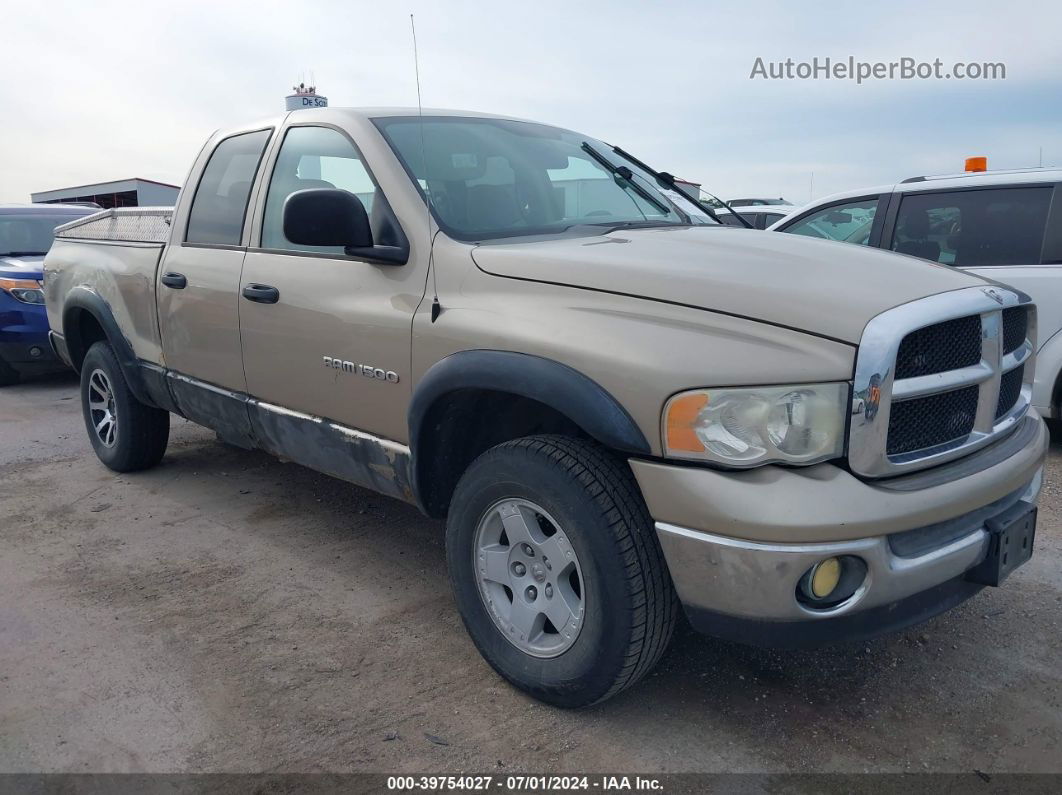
(758, 581)
(738, 543)
(747, 590)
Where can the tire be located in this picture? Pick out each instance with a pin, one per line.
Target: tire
(627, 605)
(133, 436)
(8, 375)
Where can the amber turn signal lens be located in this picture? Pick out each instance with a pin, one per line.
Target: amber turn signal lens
(681, 421)
(19, 284)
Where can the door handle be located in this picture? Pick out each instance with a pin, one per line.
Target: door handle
(261, 293)
(175, 280)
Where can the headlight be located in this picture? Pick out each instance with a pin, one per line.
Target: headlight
(757, 425)
(28, 291)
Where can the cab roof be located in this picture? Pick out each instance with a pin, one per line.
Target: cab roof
(365, 115)
(384, 112)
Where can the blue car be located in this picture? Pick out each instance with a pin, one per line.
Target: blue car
(26, 233)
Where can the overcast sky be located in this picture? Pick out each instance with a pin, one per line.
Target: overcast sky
(95, 91)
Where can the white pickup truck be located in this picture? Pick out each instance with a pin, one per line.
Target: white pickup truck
(619, 405)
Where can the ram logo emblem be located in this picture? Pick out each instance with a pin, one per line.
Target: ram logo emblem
(366, 370)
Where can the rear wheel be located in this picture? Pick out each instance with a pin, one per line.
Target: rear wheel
(126, 434)
(557, 571)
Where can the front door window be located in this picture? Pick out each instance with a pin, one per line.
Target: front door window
(313, 157)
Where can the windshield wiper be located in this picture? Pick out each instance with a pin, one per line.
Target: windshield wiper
(24, 254)
(612, 226)
(627, 176)
(669, 181)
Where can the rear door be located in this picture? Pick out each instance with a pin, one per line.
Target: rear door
(996, 232)
(198, 289)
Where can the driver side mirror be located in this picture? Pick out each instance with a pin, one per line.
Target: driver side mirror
(326, 217)
(332, 217)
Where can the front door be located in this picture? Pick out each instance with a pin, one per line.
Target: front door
(327, 334)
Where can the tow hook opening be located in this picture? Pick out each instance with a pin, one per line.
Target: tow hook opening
(831, 582)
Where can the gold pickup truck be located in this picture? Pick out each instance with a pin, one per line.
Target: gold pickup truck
(624, 409)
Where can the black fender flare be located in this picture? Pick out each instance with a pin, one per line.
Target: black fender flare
(82, 299)
(564, 389)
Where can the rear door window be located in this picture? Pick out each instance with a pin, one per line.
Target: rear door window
(846, 223)
(220, 202)
(974, 228)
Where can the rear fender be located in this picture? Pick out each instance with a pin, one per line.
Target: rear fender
(83, 300)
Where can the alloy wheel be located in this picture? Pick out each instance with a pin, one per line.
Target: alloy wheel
(529, 577)
(102, 409)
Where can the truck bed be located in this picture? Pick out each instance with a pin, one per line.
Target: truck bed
(113, 255)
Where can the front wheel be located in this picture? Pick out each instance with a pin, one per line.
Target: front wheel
(557, 571)
(126, 434)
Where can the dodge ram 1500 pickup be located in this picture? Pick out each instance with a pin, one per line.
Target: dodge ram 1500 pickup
(622, 408)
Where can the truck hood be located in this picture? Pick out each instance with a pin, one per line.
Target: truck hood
(22, 267)
(829, 289)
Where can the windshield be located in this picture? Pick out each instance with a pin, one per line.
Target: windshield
(491, 178)
(29, 234)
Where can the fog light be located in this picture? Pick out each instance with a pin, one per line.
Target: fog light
(824, 578)
(831, 582)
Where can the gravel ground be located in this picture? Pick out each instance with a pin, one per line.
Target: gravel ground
(228, 612)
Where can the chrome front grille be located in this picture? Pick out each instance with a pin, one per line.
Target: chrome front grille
(1015, 327)
(939, 378)
(1010, 390)
(940, 347)
(931, 420)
